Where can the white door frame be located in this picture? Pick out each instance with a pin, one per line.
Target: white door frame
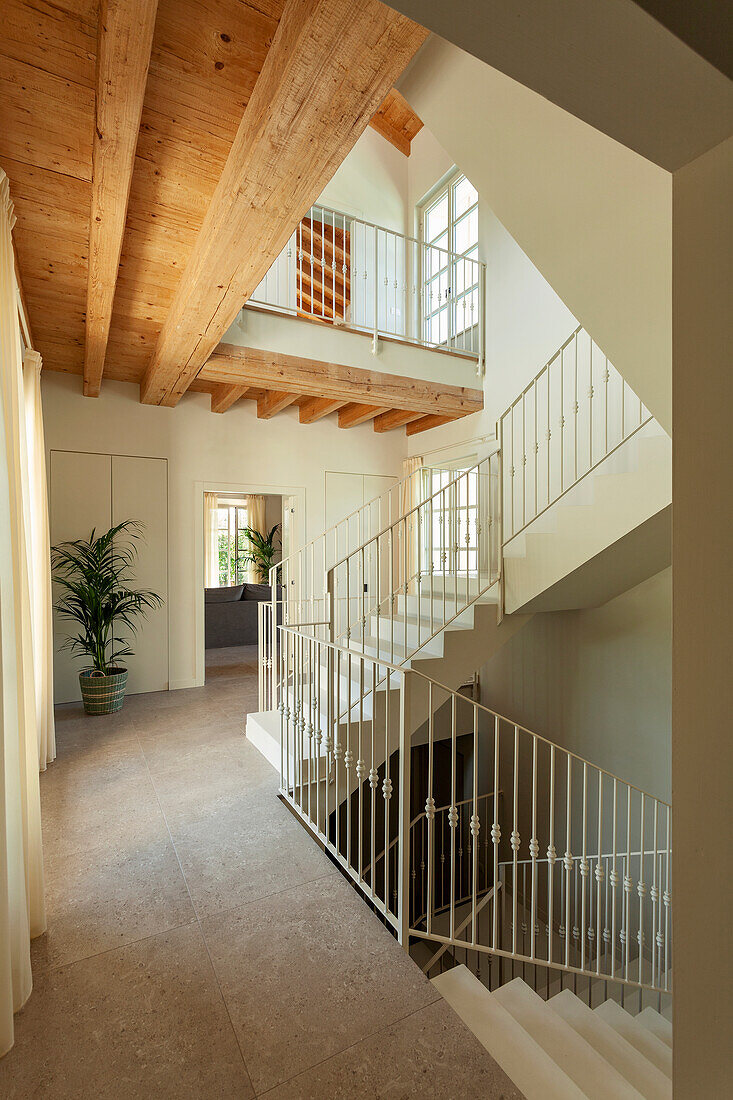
(236, 487)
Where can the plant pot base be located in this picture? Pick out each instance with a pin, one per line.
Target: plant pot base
(103, 694)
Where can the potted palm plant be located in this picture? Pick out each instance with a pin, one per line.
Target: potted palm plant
(94, 576)
(262, 550)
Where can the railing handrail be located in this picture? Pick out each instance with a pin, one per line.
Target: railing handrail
(350, 515)
(541, 371)
(396, 233)
(383, 663)
(405, 515)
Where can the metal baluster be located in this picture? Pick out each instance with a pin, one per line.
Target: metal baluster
(515, 841)
(496, 834)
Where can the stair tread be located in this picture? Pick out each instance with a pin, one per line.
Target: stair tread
(650, 1046)
(575, 1056)
(656, 1023)
(530, 1067)
(617, 1051)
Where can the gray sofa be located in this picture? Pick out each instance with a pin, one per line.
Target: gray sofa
(230, 614)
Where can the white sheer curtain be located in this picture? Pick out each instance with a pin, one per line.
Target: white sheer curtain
(255, 521)
(211, 540)
(22, 911)
(411, 494)
(39, 555)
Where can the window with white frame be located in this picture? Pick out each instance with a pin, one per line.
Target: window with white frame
(232, 542)
(454, 543)
(450, 268)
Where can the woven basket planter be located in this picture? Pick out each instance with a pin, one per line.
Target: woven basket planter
(103, 694)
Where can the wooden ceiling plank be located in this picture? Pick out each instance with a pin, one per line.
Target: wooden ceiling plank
(426, 422)
(223, 397)
(125, 40)
(239, 365)
(314, 408)
(329, 67)
(273, 402)
(351, 415)
(395, 418)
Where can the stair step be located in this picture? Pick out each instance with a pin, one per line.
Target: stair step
(630, 1062)
(653, 1021)
(586, 1067)
(531, 1068)
(658, 1053)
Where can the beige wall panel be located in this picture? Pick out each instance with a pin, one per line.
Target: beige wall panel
(80, 499)
(140, 491)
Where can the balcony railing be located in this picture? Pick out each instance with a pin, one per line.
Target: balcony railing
(353, 274)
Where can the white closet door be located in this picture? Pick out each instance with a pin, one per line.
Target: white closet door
(140, 491)
(80, 492)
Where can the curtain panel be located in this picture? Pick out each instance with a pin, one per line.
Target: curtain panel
(256, 521)
(411, 494)
(211, 540)
(22, 911)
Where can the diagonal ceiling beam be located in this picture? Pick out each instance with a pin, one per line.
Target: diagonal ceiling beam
(236, 365)
(223, 397)
(329, 67)
(123, 55)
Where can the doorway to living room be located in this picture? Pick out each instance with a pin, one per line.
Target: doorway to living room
(243, 531)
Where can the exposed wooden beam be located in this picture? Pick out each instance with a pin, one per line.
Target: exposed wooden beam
(273, 402)
(238, 365)
(396, 121)
(123, 55)
(426, 422)
(317, 407)
(223, 397)
(351, 415)
(330, 65)
(395, 418)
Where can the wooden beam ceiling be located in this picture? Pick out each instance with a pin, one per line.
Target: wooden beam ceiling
(223, 397)
(426, 422)
(273, 402)
(396, 121)
(328, 69)
(395, 418)
(123, 55)
(314, 408)
(236, 365)
(351, 415)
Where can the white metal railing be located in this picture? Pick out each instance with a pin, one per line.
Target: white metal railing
(404, 584)
(302, 574)
(583, 857)
(571, 416)
(268, 613)
(350, 272)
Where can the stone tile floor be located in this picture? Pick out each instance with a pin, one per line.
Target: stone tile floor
(199, 943)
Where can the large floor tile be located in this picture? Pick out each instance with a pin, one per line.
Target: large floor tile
(99, 898)
(251, 850)
(430, 1055)
(306, 973)
(144, 1021)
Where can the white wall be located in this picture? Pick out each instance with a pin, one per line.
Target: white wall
(593, 216)
(371, 183)
(597, 682)
(232, 452)
(526, 321)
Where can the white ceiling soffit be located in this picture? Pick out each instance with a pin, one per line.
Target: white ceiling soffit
(608, 62)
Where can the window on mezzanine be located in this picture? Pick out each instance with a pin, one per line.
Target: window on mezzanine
(448, 221)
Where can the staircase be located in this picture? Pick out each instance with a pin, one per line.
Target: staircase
(560, 1047)
(477, 840)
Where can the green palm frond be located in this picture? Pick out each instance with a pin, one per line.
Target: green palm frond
(93, 577)
(262, 550)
